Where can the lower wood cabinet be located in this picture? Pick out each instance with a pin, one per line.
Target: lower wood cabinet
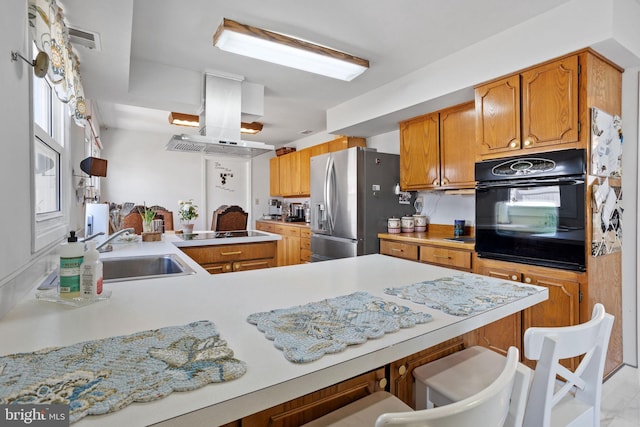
(295, 245)
(561, 309)
(314, 405)
(459, 259)
(399, 249)
(229, 258)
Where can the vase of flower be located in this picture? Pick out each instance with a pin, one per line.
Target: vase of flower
(187, 211)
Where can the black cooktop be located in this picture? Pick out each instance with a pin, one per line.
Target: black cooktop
(219, 235)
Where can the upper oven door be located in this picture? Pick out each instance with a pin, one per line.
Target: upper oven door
(534, 221)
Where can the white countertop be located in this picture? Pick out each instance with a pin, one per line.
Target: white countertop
(227, 300)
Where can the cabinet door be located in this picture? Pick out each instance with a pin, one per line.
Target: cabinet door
(318, 149)
(314, 405)
(550, 104)
(506, 332)
(457, 146)
(304, 174)
(419, 153)
(561, 309)
(498, 116)
(286, 179)
(274, 176)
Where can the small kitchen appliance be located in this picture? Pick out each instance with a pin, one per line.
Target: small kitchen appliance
(296, 213)
(275, 208)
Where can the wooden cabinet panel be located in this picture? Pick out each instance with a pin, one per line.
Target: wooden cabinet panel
(419, 152)
(304, 174)
(561, 309)
(550, 104)
(401, 380)
(399, 250)
(501, 334)
(447, 257)
(228, 258)
(314, 405)
(274, 176)
(344, 142)
(286, 174)
(318, 149)
(457, 146)
(535, 110)
(265, 226)
(498, 116)
(289, 246)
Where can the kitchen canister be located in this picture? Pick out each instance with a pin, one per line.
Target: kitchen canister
(407, 224)
(420, 223)
(393, 225)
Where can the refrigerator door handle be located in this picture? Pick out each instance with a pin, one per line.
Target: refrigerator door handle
(330, 193)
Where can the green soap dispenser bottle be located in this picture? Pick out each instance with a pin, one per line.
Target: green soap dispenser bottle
(71, 257)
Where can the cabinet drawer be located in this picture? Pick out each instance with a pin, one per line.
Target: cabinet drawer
(287, 231)
(254, 264)
(265, 226)
(223, 267)
(305, 255)
(445, 256)
(305, 233)
(305, 243)
(400, 250)
(228, 253)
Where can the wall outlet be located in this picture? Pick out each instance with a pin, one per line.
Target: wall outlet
(257, 201)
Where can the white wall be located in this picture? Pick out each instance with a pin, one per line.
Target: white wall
(20, 267)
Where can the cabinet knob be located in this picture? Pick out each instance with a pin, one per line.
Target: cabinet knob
(382, 383)
(402, 370)
(513, 144)
(435, 182)
(528, 142)
(527, 280)
(514, 277)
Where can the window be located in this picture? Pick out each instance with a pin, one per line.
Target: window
(49, 158)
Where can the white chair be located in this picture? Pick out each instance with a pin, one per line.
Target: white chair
(488, 408)
(461, 374)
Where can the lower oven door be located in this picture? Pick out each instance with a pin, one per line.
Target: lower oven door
(539, 222)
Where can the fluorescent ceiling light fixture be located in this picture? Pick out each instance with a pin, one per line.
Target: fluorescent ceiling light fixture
(182, 119)
(250, 128)
(234, 37)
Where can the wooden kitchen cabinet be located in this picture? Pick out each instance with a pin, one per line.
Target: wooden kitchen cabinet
(304, 171)
(274, 177)
(532, 111)
(289, 246)
(401, 380)
(314, 405)
(446, 257)
(437, 150)
(457, 146)
(399, 249)
(344, 142)
(419, 153)
(561, 309)
(305, 245)
(229, 258)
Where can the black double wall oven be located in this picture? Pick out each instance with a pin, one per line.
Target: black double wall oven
(531, 209)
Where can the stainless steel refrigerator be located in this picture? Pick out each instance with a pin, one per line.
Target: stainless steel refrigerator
(352, 196)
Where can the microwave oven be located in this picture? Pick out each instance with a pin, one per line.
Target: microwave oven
(531, 209)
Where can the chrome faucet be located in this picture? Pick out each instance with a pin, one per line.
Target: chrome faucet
(106, 247)
(93, 236)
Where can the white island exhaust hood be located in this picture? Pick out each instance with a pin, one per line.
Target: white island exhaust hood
(221, 117)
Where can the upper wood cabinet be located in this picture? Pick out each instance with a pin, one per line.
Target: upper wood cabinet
(274, 177)
(535, 110)
(457, 142)
(437, 149)
(419, 153)
(290, 174)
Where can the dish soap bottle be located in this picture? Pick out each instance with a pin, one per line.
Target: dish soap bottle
(71, 257)
(91, 272)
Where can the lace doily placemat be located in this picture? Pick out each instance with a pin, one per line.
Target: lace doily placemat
(306, 333)
(102, 376)
(462, 295)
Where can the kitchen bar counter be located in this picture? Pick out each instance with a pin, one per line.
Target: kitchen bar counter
(227, 300)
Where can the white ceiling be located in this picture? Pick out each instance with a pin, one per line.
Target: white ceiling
(154, 52)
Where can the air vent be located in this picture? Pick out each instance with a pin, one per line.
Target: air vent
(88, 39)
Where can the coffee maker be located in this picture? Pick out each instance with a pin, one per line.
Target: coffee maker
(296, 213)
(275, 208)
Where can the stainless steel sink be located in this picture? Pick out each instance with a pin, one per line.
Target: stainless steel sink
(143, 267)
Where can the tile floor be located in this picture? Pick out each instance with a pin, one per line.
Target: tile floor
(621, 399)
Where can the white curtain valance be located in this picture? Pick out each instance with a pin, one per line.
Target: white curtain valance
(50, 35)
